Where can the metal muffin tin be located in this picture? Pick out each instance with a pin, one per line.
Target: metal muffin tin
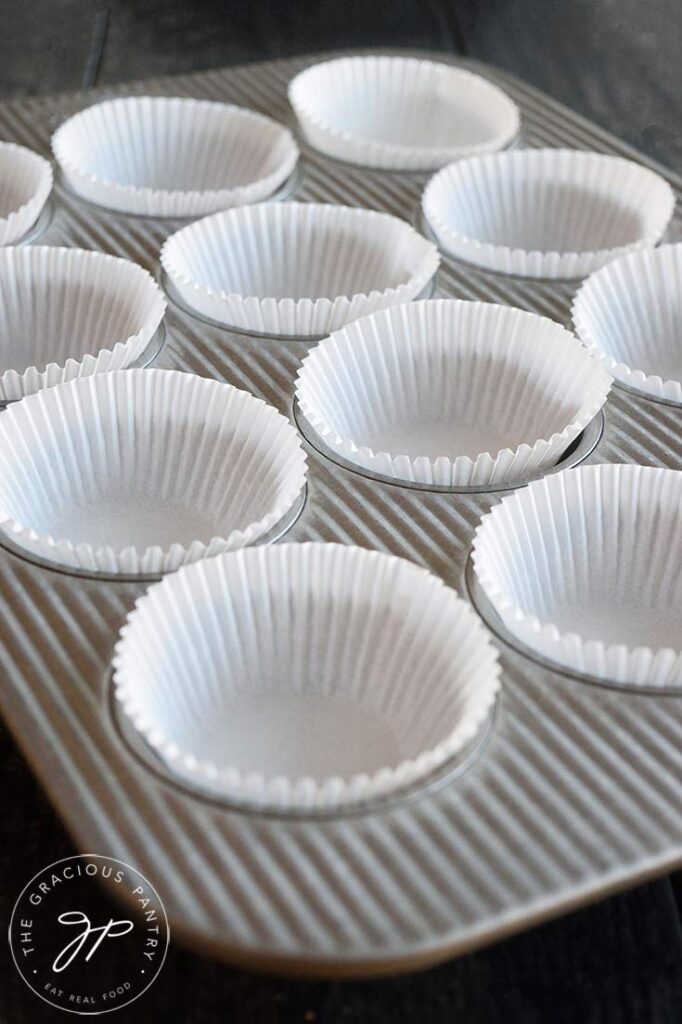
(574, 791)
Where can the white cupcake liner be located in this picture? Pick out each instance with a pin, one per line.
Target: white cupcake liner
(584, 568)
(400, 113)
(451, 393)
(25, 184)
(305, 676)
(67, 313)
(296, 268)
(141, 471)
(629, 315)
(173, 157)
(546, 212)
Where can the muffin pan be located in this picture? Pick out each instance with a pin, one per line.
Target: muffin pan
(572, 792)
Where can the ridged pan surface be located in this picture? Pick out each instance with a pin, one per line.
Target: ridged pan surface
(575, 790)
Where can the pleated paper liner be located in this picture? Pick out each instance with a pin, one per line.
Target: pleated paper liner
(296, 269)
(67, 313)
(305, 676)
(142, 471)
(584, 569)
(451, 393)
(629, 315)
(400, 113)
(173, 157)
(546, 212)
(25, 184)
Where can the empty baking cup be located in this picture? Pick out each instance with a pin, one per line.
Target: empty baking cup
(25, 184)
(629, 314)
(141, 471)
(173, 157)
(546, 212)
(584, 568)
(296, 269)
(305, 676)
(400, 113)
(451, 393)
(67, 313)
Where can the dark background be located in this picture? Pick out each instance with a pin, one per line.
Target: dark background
(617, 62)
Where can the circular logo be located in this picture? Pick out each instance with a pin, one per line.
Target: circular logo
(77, 948)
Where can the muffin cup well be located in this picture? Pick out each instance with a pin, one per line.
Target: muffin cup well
(305, 676)
(629, 315)
(67, 313)
(451, 393)
(583, 568)
(400, 113)
(172, 156)
(546, 212)
(296, 269)
(141, 471)
(25, 184)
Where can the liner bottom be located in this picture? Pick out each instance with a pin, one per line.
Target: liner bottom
(172, 295)
(579, 450)
(276, 533)
(137, 747)
(145, 359)
(487, 613)
(285, 191)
